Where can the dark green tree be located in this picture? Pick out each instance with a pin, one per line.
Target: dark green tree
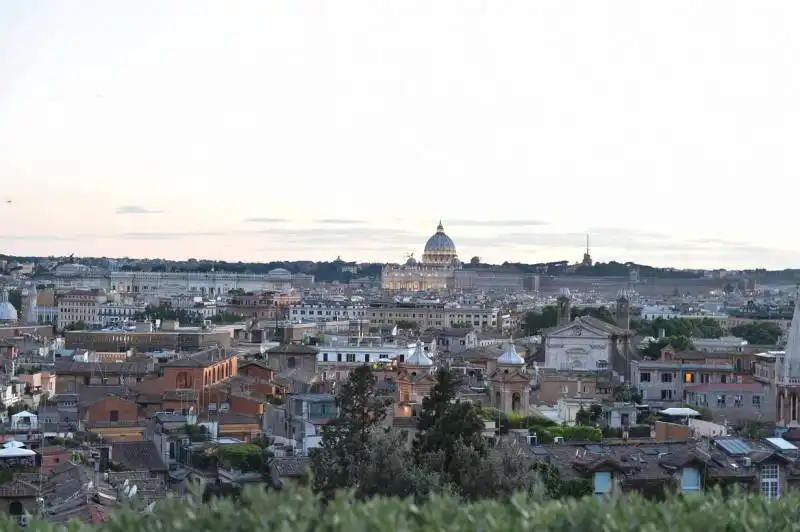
(344, 448)
(583, 417)
(536, 321)
(766, 333)
(442, 394)
(15, 298)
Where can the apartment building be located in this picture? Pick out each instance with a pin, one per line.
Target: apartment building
(80, 306)
(184, 339)
(120, 312)
(266, 305)
(721, 382)
(433, 315)
(326, 311)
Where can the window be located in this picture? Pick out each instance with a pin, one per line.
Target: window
(756, 401)
(770, 486)
(602, 483)
(351, 357)
(113, 415)
(705, 378)
(690, 479)
(291, 362)
(366, 359)
(324, 357)
(666, 377)
(644, 376)
(667, 395)
(737, 401)
(688, 377)
(720, 401)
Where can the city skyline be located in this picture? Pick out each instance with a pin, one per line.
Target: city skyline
(272, 131)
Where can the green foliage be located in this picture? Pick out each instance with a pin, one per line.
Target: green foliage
(295, 508)
(679, 343)
(242, 456)
(336, 464)
(577, 433)
(764, 333)
(583, 417)
(407, 325)
(548, 317)
(690, 328)
(79, 325)
(15, 298)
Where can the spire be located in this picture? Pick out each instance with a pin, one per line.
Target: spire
(790, 367)
(587, 244)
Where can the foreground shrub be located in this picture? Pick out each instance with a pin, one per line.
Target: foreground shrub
(297, 510)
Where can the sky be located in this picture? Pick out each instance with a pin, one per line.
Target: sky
(269, 130)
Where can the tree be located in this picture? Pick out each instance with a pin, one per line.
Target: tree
(679, 343)
(15, 298)
(536, 321)
(583, 417)
(475, 261)
(764, 333)
(79, 325)
(601, 313)
(442, 394)
(390, 470)
(345, 441)
(407, 325)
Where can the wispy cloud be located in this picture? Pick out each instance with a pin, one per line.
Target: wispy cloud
(36, 238)
(136, 209)
(264, 220)
(339, 221)
(170, 236)
(495, 223)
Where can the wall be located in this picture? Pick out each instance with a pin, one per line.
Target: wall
(127, 411)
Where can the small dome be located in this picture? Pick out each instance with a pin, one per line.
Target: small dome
(510, 356)
(411, 261)
(419, 358)
(279, 272)
(7, 310)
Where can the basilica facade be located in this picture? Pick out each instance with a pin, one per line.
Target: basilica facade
(436, 270)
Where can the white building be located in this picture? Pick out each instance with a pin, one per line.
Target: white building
(337, 354)
(120, 312)
(327, 311)
(80, 306)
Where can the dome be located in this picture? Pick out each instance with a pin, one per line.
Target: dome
(510, 356)
(440, 248)
(279, 272)
(411, 261)
(419, 358)
(7, 310)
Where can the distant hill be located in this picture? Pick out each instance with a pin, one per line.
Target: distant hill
(343, 271)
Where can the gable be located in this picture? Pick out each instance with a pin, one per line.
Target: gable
(577, 329)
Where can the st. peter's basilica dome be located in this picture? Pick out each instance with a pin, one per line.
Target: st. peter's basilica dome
(439, 249)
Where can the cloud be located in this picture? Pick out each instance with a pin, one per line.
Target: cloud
(170, 236)
(262, 220)
(36, 238)
(136, 209)
(495, 223)
(339, 221)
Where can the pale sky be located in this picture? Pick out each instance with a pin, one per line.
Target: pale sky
(267, 130)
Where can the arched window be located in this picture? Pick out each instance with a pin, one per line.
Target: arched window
(516, 403)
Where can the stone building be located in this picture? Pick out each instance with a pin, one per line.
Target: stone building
(435, 272)
(509, 383)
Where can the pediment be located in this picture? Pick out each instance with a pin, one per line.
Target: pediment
(577, 329)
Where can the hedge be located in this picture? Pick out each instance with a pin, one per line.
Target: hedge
(296, 509)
